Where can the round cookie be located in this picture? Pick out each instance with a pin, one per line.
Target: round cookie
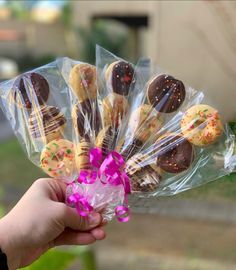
(165, 93)
(83, 81)
(86, 118)
(174, 153)
(82, 155)
(145, 122)
(57, 159)
(115, 108)
(201, 125)
(119, 77)
(106, 140)
(46, 123)
(30, 90)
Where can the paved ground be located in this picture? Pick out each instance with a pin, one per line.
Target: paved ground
(157, 242)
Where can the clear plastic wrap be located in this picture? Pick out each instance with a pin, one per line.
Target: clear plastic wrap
(116, 132)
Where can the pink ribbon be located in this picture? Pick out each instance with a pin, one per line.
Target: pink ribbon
(80, 203)
(108, 171)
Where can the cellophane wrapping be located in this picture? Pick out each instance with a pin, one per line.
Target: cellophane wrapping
(168, 138)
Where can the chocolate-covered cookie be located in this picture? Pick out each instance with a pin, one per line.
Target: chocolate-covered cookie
(145, 180)
(46, 123)
(115, 108)
(106, 139)
(175, 154)
(86, 117)
(30, 90)
(144, 177)
(165, 93)
(129, 148)
(119, 76)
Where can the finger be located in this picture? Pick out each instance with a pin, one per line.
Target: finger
(98, 233)
(69, 237)
(70, 218)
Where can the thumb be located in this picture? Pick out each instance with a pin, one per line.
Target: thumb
(73, 220)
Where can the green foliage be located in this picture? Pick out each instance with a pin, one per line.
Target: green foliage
(233, 127)
(53, 260)
(16, 171)
(99, 34)
(56, 259)
(28, 62)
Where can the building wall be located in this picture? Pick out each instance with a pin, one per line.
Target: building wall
(194, 40)
(36, 38)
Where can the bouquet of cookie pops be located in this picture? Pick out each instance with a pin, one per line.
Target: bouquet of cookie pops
(116, 133)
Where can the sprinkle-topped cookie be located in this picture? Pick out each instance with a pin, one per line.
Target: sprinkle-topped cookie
(201, 125)
(165, 93)
(174, 153)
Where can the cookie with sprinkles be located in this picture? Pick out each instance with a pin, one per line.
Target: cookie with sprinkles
(119, 77)
(175, 153)
(58, 159)
(165, 93)
(83, 81)
(201, 125)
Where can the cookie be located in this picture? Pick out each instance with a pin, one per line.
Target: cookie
(145, 122)
(129, 148)
(30, 90)
(82, 155)
(201, 125)
(86, 118)
(106, 140)
(46, 123)
(119, 77)
(175, 153)
(143, 176)
(57, 159)
(115, 108)
(83, 81)
(165, 93)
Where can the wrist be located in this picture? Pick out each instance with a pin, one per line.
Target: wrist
(8, 244)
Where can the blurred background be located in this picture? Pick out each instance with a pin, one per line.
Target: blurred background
(195, 41)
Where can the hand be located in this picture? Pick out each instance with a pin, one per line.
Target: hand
(41, 221)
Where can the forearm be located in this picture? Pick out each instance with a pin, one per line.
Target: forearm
(8, 243)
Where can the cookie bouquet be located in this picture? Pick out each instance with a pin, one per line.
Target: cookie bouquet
(116, 133)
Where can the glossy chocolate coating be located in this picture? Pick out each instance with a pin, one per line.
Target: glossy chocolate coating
(166, 94)
(122, 77)
(175, 153)
(109, 141)
(131, 148)
(45, 120)
(85, 110)
(23, 86)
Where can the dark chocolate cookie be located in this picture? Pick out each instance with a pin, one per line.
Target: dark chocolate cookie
(122, 77)
(30, 88)
(175, 154)
(131, 148)
(166, 94)
(106, 140)
(145, 180)
(84, 114)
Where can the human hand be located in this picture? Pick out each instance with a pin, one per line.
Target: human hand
(41, 220)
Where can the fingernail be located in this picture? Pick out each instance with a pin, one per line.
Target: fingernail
(94, 219)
